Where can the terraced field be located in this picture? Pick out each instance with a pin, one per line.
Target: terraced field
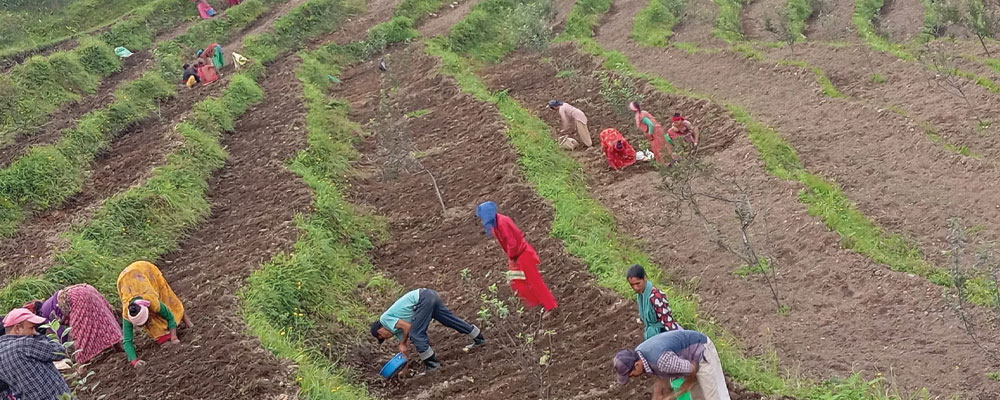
(290, 202)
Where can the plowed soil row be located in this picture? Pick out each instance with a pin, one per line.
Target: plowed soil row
(126, 163)
(132, 68)
(847, 312)
(255, 199)
(463, 144)
(883, 161)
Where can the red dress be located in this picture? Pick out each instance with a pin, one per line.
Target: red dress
(656, 138)
(617, 158)
(523, 258)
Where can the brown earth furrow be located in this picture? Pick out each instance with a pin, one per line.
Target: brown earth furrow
(832, 21)
(764, 20)
(254, 202)
(883, 161)
(847, 312)
(465, 148)
(901, 20)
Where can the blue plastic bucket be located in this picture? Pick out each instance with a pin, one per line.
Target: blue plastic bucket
(395, 364)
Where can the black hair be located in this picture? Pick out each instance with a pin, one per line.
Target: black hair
(677, 114)
(133, 309)
(637, 105)
(374, 330)
(186, 66)
(636, 271)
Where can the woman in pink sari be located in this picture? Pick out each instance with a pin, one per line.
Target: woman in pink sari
(653, 131)
(204, 9)
(94, 325)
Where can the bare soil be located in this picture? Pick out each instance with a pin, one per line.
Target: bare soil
(901, 20)
(832, 21)
(466, 150)
(764, 20)
(828, 331)
(839, 140)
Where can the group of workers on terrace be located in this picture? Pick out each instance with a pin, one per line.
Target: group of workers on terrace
(78, 323)
(683, 364)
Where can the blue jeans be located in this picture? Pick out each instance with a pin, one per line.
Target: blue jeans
(430, 306)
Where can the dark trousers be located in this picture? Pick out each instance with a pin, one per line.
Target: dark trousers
(430, 306)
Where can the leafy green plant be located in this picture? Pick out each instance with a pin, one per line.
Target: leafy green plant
(479, 36)
(984, 21)
(877, 78)
(727, 24)
(654, 25)
(618, 91)
(566, 73)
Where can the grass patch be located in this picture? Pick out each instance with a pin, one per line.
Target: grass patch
(654, 25)
(994, 376)
(796, 14)
(48, 175)
(479, 36)
(865, 11)
(877, 78)
(825, 84)
(727, 25)
(418, 113)
(763, 267)
(994, 64)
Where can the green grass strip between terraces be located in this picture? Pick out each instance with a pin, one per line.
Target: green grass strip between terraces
(588, 231)
(48, 175)
(149, 220)
(35, 89)
(299, 301)
(654, 25)
(865, 12)
(829, 90)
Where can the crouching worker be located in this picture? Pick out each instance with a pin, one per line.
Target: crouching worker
(148, 302)
(408, 320)
(676, 354)
(190, 77)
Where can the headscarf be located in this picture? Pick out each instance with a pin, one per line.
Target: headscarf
(555, 103)
(677, 117)
(647, 314)
(199, 52)
(487, 212)
(142, 316)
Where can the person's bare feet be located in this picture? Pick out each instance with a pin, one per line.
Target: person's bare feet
(187, 321)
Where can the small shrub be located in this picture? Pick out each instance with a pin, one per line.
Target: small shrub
(878, 78)
(654, 25)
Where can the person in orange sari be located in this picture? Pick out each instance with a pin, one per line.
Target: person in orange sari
(523, 261)
(149, 303)
(620, 154)
(653, 131)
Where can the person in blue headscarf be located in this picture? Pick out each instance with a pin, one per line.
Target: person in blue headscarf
(522, 260)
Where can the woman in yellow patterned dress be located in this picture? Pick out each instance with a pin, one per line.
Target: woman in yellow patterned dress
(149, 303)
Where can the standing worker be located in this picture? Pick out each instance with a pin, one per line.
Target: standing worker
(653, 131)
(654, 309)
(681, 128)
(676, 354)
(569, 114)
(522, 262)
(148, 302)
(26, 359)
(410, 316)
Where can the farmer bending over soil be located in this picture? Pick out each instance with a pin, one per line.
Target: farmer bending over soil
(676, 354)
(620, 154)
(681, 128)
(653, 131)
(570, 114)
(522, 260)
(410, 316)
(190, 77)
(148, 302)
(93, 321)
(26, 359)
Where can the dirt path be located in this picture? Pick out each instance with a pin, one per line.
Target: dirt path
(695, 26)
(441, 23)
(429, 247)
(844, 307)
(764, 20)
(901, 20)
(842, 140)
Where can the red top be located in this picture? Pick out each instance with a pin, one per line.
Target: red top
(511, 238)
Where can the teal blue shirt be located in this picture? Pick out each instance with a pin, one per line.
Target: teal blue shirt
(402, 309)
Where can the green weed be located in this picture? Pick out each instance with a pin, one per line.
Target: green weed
(879, 79)
(583, 18)
(566, 73)
(747, 270)
(727, 25)
(418, 113)
(994, 376)
(796, 14)
(654, 25)
(825, 84)
(690, 48)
